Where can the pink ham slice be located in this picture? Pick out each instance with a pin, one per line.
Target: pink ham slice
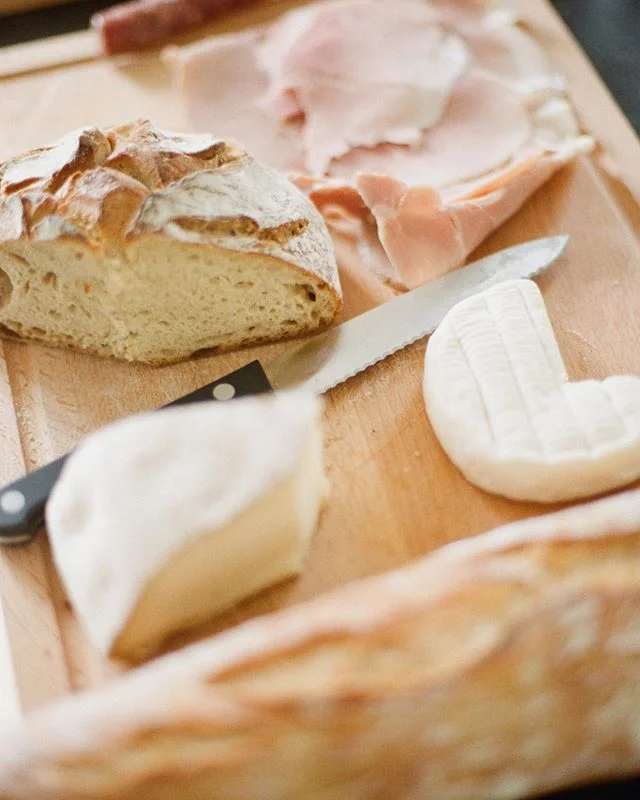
(425, 236)
(310, 85)
(483, 125)
(220, 82)
(361, 72)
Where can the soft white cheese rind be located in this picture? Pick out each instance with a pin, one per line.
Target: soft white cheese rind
(501, 404)
(143, 493)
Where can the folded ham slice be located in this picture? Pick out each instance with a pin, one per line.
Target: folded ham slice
(417, 127)
(425, 237)
(483, 125)
(220, 82)
(327, 63)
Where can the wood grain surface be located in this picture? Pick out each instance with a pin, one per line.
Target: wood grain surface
(50, 53)
(15, 6)
(394, 493)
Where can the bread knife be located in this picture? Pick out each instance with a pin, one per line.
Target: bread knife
(319, 363)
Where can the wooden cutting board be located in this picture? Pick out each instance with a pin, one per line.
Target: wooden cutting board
(394, 494)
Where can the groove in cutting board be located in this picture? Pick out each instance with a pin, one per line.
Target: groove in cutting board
(32, 655)
(36, 646)
(55, 51)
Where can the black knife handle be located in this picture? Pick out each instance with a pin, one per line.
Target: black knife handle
(22, 502)
(250, 379)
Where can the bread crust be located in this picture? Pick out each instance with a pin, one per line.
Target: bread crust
(501, 666)
(106, 193)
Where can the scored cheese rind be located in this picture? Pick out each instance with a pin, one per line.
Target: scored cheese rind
(500, 402)
(504, 666)
(163, 519)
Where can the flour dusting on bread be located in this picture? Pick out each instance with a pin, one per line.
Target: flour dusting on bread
(149, 246)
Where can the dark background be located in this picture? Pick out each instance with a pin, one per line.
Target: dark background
(609, 30)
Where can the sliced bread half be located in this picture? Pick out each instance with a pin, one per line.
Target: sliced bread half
(149, 246)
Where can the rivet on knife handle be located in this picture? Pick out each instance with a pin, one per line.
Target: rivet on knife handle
(250, 379)
(22, 502)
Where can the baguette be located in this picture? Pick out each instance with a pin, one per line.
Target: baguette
(149, 246)
(499, 667)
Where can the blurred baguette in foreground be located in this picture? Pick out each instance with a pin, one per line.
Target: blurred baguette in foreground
(498, 667)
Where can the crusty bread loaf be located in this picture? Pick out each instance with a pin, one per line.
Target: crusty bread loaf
(148, 246)
(499, 667)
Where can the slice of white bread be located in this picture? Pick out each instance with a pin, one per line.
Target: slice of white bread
(499, 667)
(162, 520)
(149, 246)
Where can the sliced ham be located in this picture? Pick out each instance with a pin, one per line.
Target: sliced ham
(220, 82)
(507, 52)
(484, 124)
(417, 127)
(361, 72)
(426, 236)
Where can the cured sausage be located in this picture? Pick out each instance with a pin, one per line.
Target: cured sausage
(140, 24)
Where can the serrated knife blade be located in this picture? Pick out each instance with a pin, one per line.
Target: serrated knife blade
(318, 364)
(342, 352)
